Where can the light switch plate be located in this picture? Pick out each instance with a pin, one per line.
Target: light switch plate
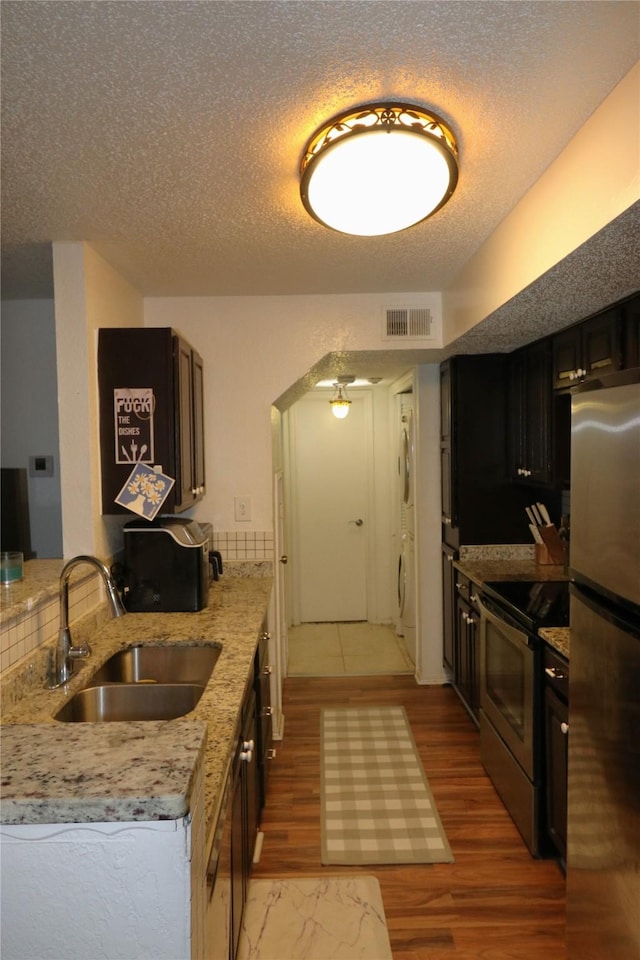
(41, 466)
(242, 508)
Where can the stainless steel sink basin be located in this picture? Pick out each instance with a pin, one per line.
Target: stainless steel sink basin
(154, 663)
(131, 701)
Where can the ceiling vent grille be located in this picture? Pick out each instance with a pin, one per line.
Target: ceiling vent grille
(408, 323)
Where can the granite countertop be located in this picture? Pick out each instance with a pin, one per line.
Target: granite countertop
(56, 772)
(558, 638)
(483, 571)
(40, 583)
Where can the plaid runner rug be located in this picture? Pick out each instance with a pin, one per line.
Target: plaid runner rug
(377, 806)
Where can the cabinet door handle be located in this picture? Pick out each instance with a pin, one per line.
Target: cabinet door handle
(268, 671)
(564, 727)
(555, 674)
(265, 636)
(271, 753)
(267, 712)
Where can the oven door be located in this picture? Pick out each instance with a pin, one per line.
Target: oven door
(507, 685)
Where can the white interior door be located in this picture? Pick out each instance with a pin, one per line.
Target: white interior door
(330, 470)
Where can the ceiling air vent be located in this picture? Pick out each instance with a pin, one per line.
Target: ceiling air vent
(408, 323)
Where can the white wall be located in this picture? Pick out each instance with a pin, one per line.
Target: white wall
(30, 412)
(89, 294)
(593, 181)
(255, 349)
(426, 405)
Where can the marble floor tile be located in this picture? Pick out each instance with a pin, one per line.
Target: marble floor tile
(315, 919)
(311, 636)
(346, 649)
(316, 665)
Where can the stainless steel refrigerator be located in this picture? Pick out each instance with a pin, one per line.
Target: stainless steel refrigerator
(603, 842)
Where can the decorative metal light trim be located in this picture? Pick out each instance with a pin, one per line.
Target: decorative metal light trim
(402, 195)
(340, 402)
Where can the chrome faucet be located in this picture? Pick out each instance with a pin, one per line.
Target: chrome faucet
(66, 652)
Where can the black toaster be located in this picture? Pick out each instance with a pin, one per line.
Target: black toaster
(166, 566)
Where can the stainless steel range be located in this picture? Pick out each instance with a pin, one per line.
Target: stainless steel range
(511, 714)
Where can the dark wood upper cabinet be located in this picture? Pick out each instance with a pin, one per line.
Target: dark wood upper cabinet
(150, 383)
(189, 424)
(588, 349)
(479, 502)
(631, 332)
(531, 432)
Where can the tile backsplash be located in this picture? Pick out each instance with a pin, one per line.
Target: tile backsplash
(38, 624)
(252, 545)
(22, 634)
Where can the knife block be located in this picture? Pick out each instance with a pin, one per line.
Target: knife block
(542, 555)
(553, 546)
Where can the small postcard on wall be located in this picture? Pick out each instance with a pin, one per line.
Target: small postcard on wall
(145, 491)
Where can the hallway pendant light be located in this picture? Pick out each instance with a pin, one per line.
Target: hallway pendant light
(378, 169)
(340, 402)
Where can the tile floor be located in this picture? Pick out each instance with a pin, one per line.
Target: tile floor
(346, 650)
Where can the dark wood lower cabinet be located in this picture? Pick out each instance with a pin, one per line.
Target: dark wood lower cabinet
(468, 657)
(232, 858)
(448, 608)
(245, 817)
(556, 727)
(265, 751)
(557, 745)
(461, 633)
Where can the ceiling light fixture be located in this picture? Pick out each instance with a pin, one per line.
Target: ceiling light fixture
(340, 402)
(378, 169)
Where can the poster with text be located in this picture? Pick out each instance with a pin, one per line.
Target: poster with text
(133, 409)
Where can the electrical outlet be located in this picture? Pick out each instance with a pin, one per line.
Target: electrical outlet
(242, 508)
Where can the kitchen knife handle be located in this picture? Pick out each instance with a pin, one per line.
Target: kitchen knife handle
(544, 513)
(536, 514)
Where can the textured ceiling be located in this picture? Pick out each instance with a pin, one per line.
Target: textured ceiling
(169, 134)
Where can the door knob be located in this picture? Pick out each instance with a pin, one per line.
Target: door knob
(357, 522)
(284, 558)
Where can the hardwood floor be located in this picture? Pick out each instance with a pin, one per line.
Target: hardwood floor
(493, 903)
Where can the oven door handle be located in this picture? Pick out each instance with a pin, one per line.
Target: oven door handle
(517, 635)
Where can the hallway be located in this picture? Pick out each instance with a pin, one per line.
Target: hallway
(346, 650)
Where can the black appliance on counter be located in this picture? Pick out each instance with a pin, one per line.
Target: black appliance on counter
(166, 566)
(511, 703)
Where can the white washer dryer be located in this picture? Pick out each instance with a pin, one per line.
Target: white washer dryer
(406, 564)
